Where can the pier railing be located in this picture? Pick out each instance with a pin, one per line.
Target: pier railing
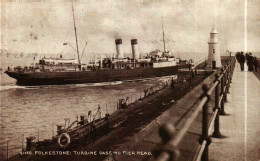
(171, 137)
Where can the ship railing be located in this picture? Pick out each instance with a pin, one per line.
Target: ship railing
(172, 137)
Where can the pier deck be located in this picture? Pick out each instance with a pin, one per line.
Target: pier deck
(241, 127)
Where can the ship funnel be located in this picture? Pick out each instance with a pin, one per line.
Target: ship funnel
(119, 48)
(135, 50)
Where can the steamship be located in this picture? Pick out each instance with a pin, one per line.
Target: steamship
(58, 71)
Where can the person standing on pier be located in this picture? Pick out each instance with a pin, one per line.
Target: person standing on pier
(246, 60)
(255, 63)
(250, 62)
(242, 61)
(237, 56)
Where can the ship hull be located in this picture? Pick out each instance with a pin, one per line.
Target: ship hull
(80, 77)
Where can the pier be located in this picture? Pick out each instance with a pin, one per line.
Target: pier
(227, 127)
(241, 126)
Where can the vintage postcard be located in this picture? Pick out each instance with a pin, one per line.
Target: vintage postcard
(129, 80)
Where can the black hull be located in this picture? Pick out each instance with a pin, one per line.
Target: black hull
(80, 77)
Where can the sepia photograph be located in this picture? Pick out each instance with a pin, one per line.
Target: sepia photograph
(130, 80)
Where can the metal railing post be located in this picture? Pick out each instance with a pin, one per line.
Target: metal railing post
(232, 69)
(225, 84)
(230, 66)
(205, 133)
(222, 110)
(234, 64)
(228, 78)
(216, 132)
(169, 151)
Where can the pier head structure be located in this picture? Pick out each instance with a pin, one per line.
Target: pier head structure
(214, 60)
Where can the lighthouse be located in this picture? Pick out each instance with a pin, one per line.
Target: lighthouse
(214, 60)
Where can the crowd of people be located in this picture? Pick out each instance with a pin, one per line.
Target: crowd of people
(249, 59)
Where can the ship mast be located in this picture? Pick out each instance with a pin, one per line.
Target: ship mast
(163, 37)
(76, 35)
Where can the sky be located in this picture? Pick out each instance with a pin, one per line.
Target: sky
(43, 27)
